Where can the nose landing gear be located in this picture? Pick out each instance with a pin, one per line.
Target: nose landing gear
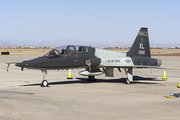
(44, 82)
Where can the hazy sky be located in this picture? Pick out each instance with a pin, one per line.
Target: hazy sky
(102, 21)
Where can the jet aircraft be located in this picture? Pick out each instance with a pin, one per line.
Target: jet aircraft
(96, 61)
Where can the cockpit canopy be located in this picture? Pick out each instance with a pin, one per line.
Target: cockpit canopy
(68, 49)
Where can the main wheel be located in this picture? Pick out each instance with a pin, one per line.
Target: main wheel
(91, 78)
(127, 81)
(44, 83)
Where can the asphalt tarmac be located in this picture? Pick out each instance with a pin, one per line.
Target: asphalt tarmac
(109, 98)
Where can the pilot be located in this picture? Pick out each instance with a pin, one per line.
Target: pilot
(63, 51)
(52, 52)
(81, 49)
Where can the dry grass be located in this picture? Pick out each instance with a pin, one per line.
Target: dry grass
(22, 50)
(155, 52)
(26, 52)
(42, 51)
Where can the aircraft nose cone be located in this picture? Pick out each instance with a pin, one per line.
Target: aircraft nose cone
(159, 62)
(18, 64)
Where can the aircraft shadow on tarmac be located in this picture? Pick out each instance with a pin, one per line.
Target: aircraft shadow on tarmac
(137, 80)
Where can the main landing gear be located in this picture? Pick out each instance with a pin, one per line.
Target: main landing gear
(44, 82)
(129, 78)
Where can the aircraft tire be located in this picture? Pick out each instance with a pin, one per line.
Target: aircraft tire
(127, 81)
(44, 83)
(91, 78)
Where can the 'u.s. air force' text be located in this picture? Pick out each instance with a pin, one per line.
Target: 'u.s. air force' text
(113, 60)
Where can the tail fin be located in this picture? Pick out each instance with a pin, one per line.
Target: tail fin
(140, 46)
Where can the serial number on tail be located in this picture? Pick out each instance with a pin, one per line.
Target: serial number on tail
(141, 52)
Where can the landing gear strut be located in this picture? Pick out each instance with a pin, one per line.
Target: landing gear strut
(44, 82)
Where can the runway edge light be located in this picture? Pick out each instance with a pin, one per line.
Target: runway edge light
(69, 75)
(164, 76)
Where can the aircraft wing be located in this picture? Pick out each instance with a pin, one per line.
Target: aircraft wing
(145, 66)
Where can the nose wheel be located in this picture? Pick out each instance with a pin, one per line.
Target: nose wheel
(44, 83)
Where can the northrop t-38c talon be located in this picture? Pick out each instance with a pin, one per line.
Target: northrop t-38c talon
(95, 59)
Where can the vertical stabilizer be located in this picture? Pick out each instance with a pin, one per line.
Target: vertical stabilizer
(140, 46)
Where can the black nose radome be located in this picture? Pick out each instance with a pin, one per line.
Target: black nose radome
(18, 64)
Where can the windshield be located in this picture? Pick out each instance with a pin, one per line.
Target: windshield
(53, 52)
(68, 49)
